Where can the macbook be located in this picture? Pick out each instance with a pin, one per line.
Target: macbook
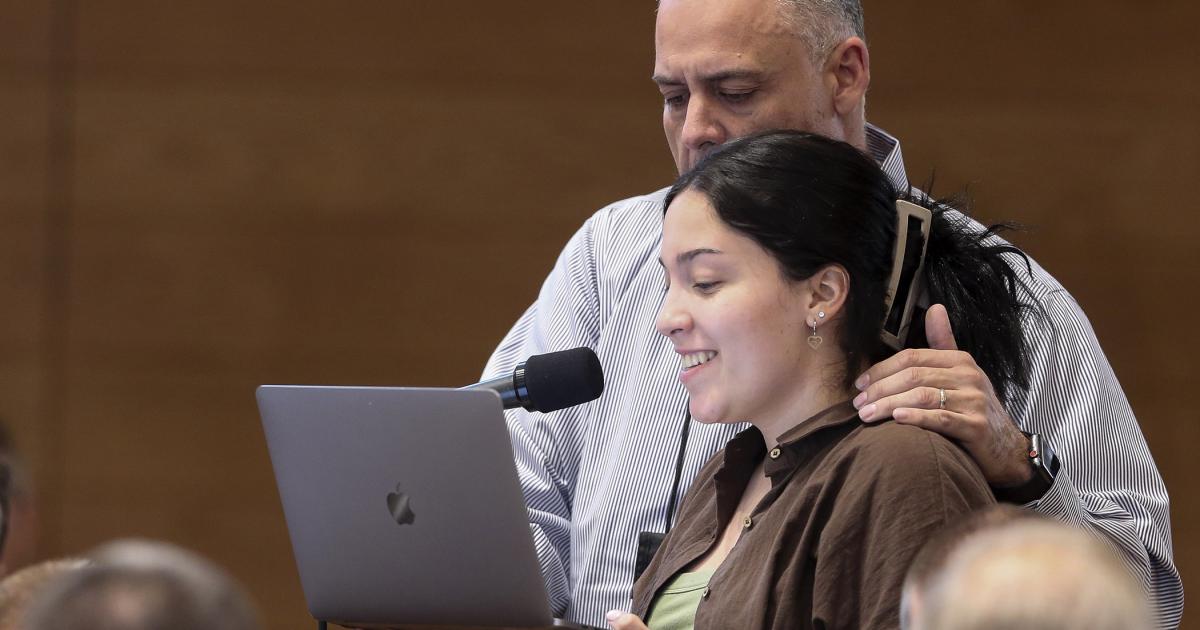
(403, 506)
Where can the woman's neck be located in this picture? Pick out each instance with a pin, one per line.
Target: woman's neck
(808, 401)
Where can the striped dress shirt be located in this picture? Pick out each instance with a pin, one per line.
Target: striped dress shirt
(595, 475)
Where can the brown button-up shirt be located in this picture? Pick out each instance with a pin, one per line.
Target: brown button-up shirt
(828, 546)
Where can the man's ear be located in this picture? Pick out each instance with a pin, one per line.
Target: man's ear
(848, 69)
(830, 286)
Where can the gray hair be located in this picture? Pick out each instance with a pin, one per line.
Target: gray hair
(144, 585)
(19, 590)
(823, 24)
(1033, 574)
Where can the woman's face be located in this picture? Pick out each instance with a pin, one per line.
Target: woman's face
(738, 324)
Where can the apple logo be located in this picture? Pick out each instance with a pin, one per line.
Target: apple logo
(398, 505)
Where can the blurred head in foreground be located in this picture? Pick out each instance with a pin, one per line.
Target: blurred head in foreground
(20, 589)
(1008, 568)
(140, 585)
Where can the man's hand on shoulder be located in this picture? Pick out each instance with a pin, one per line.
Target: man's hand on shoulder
(942, 389)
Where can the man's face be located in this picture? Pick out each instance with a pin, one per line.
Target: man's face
(729, 68)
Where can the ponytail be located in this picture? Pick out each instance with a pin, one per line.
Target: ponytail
(977, 277)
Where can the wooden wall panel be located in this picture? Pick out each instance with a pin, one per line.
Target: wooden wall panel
(370, 207)
(23, 141)
(371, 192)
(24, 204)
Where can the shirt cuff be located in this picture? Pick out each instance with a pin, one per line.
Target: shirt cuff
(1062, 501)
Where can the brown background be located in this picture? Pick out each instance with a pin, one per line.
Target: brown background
(196, 198)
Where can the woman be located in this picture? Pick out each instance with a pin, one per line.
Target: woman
(781, 259)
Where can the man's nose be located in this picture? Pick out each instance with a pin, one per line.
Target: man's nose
(702, 129)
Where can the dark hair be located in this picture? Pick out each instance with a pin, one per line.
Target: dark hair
(7, 464)
(811, 201)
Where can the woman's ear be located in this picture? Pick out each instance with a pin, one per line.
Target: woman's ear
(829, 287)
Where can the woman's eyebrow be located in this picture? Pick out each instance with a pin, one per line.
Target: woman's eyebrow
(687, 256)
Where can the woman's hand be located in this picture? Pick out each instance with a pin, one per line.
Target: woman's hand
(621, 620)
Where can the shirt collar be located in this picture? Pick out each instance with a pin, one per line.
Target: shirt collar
(794, 446)
(745, 450)
(885, 148)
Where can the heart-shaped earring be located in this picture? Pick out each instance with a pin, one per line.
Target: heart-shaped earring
(815, 340)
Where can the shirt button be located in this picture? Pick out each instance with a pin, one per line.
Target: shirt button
(707, 592)
(747, 522)
(775, 453)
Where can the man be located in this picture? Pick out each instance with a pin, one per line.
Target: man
(1061, 577)
(931, 560)
(143, 585)
(596, 475)
(21, 588)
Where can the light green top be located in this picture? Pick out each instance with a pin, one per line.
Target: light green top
(674, 608)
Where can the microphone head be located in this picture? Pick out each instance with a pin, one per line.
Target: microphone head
(557, 380)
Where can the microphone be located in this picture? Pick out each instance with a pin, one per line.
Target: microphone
(549, 382)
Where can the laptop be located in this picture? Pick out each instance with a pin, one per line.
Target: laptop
(403, 506)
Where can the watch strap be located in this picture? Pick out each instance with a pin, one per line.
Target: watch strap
(1044, 465)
